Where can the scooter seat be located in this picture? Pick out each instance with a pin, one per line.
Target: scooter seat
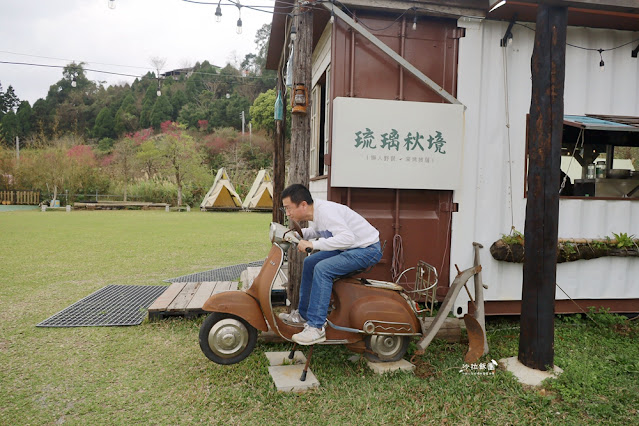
(382, 284)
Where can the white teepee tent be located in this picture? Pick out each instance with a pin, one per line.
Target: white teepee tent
(260, 197)
(222, 195)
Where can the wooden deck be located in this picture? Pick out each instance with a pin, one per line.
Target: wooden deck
(187, 299)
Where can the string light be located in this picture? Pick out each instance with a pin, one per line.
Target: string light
(293, 32)
(218, 12)
(601, 63)
(239, 21)
(415, 22)
(111, 4)
(74, 83)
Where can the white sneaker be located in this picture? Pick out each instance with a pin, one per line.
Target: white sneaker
(294, 318)
(310, 336)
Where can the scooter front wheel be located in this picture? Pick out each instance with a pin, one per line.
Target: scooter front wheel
(386, 348)
(227, 339)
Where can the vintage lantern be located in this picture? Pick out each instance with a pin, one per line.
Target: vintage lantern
(299, 100)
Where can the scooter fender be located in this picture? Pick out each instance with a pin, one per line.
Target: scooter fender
(237, 303)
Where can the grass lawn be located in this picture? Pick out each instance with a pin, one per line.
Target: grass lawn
(155, 373)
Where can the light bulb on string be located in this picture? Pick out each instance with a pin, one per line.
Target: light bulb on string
(601, 62)
(293, 33)
(414, 22)
(218, 12)
(74, 83)
(111, 4)
(239, 21)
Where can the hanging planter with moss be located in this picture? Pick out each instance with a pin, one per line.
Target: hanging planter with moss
(510, 248)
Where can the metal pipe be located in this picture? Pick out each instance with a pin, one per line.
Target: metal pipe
(396, 226)
(402, 50)
(352, 59)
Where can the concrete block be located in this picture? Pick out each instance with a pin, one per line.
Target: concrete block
(355, 358)
(287, 378)
(526, 375)
(281, 358)
(386, 367)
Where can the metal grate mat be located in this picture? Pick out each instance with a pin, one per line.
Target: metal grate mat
(110, 306)
(227, 273)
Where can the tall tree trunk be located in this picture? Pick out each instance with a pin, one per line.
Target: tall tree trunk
(300, 134)
(536, 340)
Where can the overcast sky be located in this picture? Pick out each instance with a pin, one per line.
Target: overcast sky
(56, 32)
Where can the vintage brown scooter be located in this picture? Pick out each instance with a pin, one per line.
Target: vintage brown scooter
(376, 318)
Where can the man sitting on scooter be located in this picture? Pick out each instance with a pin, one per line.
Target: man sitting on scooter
(346, 243)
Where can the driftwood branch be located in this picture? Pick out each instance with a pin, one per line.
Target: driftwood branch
(568, 250)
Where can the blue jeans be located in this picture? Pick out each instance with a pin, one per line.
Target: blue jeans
(318, 273)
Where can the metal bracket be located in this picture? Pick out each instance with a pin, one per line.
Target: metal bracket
(508, 35)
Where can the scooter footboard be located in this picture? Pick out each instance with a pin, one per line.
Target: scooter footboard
(237, 303)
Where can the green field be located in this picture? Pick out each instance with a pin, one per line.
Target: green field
(155, 373)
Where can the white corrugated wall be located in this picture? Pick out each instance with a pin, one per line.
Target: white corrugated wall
(492, 198)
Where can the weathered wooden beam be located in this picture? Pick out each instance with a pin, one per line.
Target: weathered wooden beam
(437, 8)
(536, 342)
(300, 133)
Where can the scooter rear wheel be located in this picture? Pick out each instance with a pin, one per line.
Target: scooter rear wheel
(226, 339)
(386, 348)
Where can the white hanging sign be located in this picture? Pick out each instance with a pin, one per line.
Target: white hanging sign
(396, 144)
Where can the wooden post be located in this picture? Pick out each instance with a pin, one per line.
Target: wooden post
(300, 133)
(536, 340)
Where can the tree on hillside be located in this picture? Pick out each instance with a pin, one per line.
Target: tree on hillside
(126, 118)
(9, 128)
(55, 168)
(182, 158)
(8, 100)
(162, 111)
(150, 96)
(149, 158)
(103, 127)
(24, 117)
(124, 162)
